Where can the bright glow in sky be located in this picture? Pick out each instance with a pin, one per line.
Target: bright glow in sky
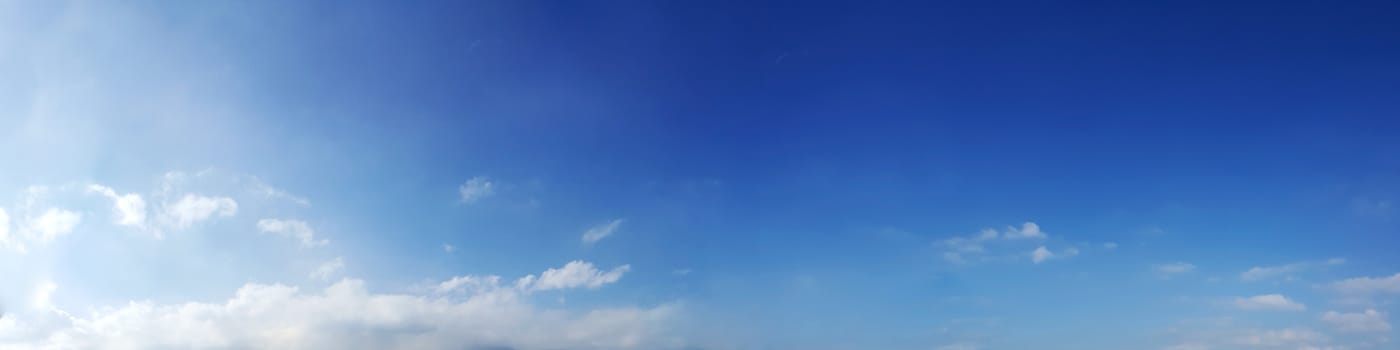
(699, 175)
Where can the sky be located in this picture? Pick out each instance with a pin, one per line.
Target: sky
(489, 175)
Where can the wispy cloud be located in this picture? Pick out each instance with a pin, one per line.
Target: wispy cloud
(1287, 271)
(476, 189)
(292, 228)
(599, 232)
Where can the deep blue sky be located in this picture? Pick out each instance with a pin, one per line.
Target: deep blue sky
(781, 174)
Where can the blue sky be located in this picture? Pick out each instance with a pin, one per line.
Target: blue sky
(699, 175)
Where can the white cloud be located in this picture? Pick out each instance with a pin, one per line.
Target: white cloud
(1368, 285)
(1172, 269)
(476, 188)
(1291, 337)
(42, 298)
(601, 231)
(51, 224)
(192, 209)
(328, 269)
(575, 274)
(1275, 302)
(257, 186)
(1041, 254)
(129, 209)
(1366, 321)
(292, 228)
(448, 248)
(1027, 230)
(347, 316)
(1285, 271)
(990, 244)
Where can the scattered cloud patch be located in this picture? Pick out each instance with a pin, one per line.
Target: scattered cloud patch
(575, 274)
(599, 232)
(258, 187)
(1365, 321)
(1274, 302)
(1368, 285)
(1110, 245)
(1299, 338)
(127, 209)
(292, 228)
(1287, 271)
(346, 315)
(51, 224)
(1173, 269)
(476, 188)
(448, 248)
(4, 227)
(328, 269)
(1027, 230)
(978, 247)
(192, 209)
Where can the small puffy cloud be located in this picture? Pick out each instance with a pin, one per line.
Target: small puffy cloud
(292, 228)
(1173, 269)
(1368, 285)
(601, 231)
(1276, 302)
(1285, 271)
(1027, 230)
(1041, 254)
(1366, 321)
(575, 274)
(127, 209)
(328, 269)
(192, 209)
(990, 244)
(476, 188)
(51, 224)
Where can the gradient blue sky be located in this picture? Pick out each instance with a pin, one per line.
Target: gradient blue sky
(699, 175)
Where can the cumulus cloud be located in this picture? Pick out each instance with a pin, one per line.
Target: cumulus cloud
(1173, 269)
(601, 231)
(1286, 271)
(978, 247)
(1041, 254)
(1027, 230)
(476, 188)
(575, 274)
(51, 224)
(1275, 302)
(127, 209)
(1366, 321)
(292, 228)
(346, 315)
(328, 269)
(192, 209)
